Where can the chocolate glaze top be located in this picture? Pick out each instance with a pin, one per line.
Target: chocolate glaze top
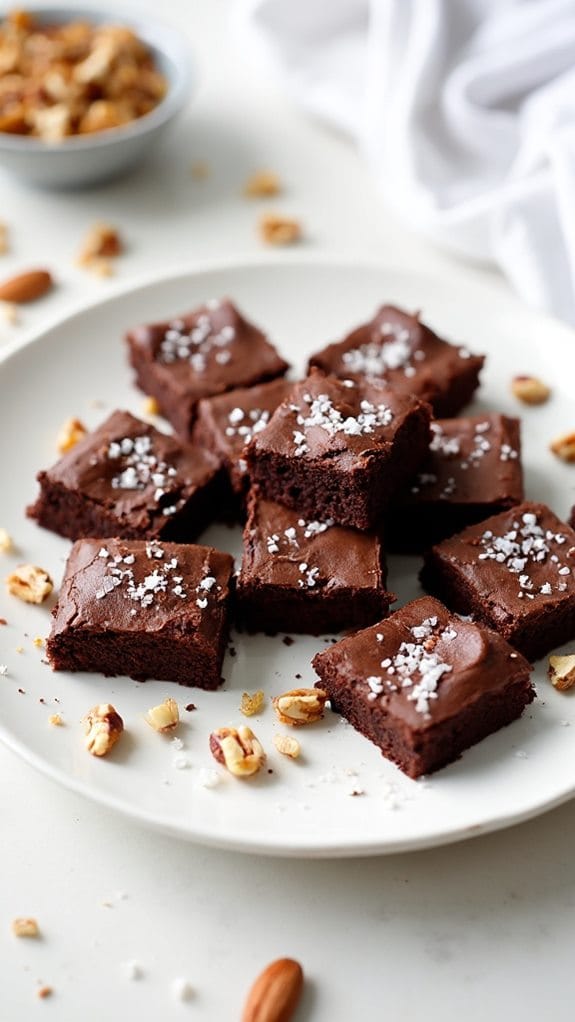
(423, 664)
(283, 549)
(134, 586)
(129, 465)
(396, 347)
(209, 350)
(471, 461)
(517, 560)
(229, 421)
(323, 416)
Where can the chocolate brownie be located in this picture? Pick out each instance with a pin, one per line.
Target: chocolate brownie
(145, 609)
(339, 449)
(208, 351)
(473, 470)
(515, 572)
(225, 425)
(127, 479)
(424, 685)
(401, 350)
(301, 575)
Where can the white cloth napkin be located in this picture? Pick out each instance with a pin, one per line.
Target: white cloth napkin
(465, 110)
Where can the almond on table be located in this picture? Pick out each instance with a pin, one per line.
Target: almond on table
(276, 992)
(279, 230)
(26, 287)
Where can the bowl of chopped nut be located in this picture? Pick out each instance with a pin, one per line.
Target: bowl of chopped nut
(85, 94)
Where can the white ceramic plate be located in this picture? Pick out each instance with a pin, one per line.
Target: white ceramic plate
(303, 808)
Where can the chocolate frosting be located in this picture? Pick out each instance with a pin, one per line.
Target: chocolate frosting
(90, 600)
(398, 348)
(209, 350)
(517, 560)
(474, 460)
(323, 416)
(479, 661)
(278, 543)
(228, 422)
(90, 468)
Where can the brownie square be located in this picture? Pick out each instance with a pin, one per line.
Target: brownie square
(128, 479)
(401, 350)
(337, 449)
(515, 572)
(146, 609)
(208, 351)
(472, 470)
(312, 576)
(225, 425)
(424, 685)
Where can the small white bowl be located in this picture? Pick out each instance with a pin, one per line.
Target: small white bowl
(86, 159)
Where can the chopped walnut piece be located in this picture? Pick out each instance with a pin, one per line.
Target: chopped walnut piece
(263, 183)
(102, 243)
(6, 542)
(55, 720)
(71, 432)
(45, 992)
(300, 706)
(165, 717)
(25, 927)
(564, 447)
(562, 671)
(251, 705)
(103, 727)
(238, 750)
(530, 390)
(279, 230)
(287, 745)
(30, 583)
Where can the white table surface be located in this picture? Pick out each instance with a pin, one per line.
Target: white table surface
(476, 930)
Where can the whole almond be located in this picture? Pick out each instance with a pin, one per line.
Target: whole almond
(26, 287)
(275, 993)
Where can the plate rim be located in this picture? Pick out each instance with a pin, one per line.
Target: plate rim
(264, 846)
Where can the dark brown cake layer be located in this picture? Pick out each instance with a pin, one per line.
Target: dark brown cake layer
(225, 425)
(424, 685)
(205, 352)
(472, 470)
(515, 572)
(128, 479)
(398, 348)
(143, 609)
(301, 575)
(339, 450)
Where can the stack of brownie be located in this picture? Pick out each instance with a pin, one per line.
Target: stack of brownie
(362, 456)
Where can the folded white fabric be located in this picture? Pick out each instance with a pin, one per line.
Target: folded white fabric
(465, 110)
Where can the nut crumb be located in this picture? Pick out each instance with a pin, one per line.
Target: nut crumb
(29, 583)
(71, 432)
(238, 750)
(151, 406)
(103, 727)
(38, 641)
(55, 720)
(262, 184)
(564, 447)
(287, 745)
(530, 390)
(9, 312)
(44, 992)
(279, 230)
(25, 927)
(6, 542)
(165, 717)
(561, 671)
(182, 989)
(200, 170)
(251, 705)
(102, 241)
(300, 706)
